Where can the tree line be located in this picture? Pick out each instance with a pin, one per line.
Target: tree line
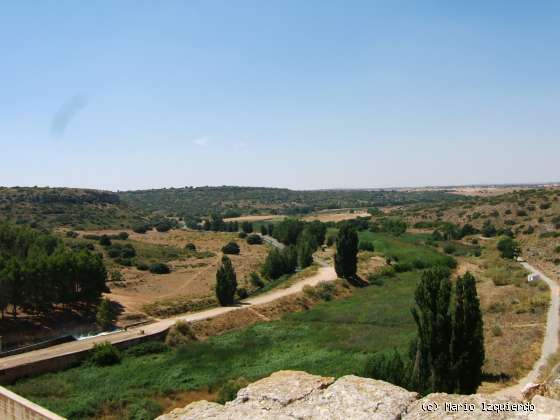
(37, 271)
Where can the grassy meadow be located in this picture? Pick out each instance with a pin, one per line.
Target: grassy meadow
(333, 338)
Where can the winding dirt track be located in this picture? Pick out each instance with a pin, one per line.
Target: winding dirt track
(550, 342)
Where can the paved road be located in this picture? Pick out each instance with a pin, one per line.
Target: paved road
(324, 274)
(550, 343)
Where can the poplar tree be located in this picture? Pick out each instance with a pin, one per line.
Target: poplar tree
(431, 371)
(226, 282)
(346, 257)
(468, 338)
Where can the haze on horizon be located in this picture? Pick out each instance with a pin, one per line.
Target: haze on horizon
(304, 95)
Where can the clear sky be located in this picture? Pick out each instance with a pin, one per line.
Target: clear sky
(301, 94)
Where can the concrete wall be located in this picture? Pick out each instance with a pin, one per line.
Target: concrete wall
(14, 407)
(64, 361)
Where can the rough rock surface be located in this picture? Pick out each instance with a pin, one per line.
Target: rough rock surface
(299, 395)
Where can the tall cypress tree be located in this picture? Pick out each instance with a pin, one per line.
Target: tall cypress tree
(226, 282)
(433, 319)
(346, 257)
(469, 348)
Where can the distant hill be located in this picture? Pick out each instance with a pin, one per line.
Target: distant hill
(71, 207)
(234, 201)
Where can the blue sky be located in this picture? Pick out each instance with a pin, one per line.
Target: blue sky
(299, 94)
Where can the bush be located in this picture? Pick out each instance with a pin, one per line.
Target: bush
(497, 331)
(143, 228)
(375, 279)
(105, 354)
(508, 248)
(242, 293)
(190, 247)
(92, 237)
(449, 249)
(163, 226)
(231, 248)
(142, 266)
(256, 280)
(330, 240)
(242, 234)
(149, 347)
(180, 334)
(229, 390)
(123, 236)
(254, 239)
(324, 290)
(105, 315)
(72, 234)
(159, 268)
(104, 240)
(116, 275)
(144, 409)
(366, 246)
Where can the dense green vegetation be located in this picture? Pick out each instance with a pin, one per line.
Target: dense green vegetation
(37, 271)
(334, 338)
(234, 201)
(77, 208)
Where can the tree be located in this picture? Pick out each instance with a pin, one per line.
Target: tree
(346, 257)
(288, 230)
(488, 229)
(105, 315)
(104, 240)
(304, 251)
(231, 248)
(226, 282)
(247, 227)
(264, 230)
(273, 266)
(254, 239)
(467, 346)
(431, 372)
(509, 248)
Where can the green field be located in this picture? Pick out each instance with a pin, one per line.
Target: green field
(406, 249)
(333, 338)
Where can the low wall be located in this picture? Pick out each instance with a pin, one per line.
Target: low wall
(64, 361)
(14, 407)
(37, 346)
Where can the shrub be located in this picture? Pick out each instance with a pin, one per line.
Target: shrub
(116, 275)
(366, 246)
(242, 293)
(142, 266)
(143, 228)
(72, 234)
(231, 248)
(123, 236)
(105, 354)
(324, 291)
(127, 262)
(401, 267)
(508, 248)
(375, 279)
(256, 280)
(159, 268)
(497, 331)
(330, 240)
(163, 226)
(105, 315)
(242, 234)
(104, 240)
(144, 409)
(180, 334)
(449, 248)
(254, 239)
(92, 237)
(229, 390)
(247, 227)
(190, 247)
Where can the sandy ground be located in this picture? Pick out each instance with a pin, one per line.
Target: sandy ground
(335, 216)
(255, 218)
(550, 344)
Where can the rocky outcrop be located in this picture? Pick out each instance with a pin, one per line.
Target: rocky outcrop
(299, 395)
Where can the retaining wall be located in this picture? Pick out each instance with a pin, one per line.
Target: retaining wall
(14, 407)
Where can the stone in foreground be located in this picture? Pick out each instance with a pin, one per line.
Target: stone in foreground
(299, 395)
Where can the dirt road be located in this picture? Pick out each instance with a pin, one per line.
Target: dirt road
(324, 274)
(550, 342)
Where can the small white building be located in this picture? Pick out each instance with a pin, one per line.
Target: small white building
(533, 277)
